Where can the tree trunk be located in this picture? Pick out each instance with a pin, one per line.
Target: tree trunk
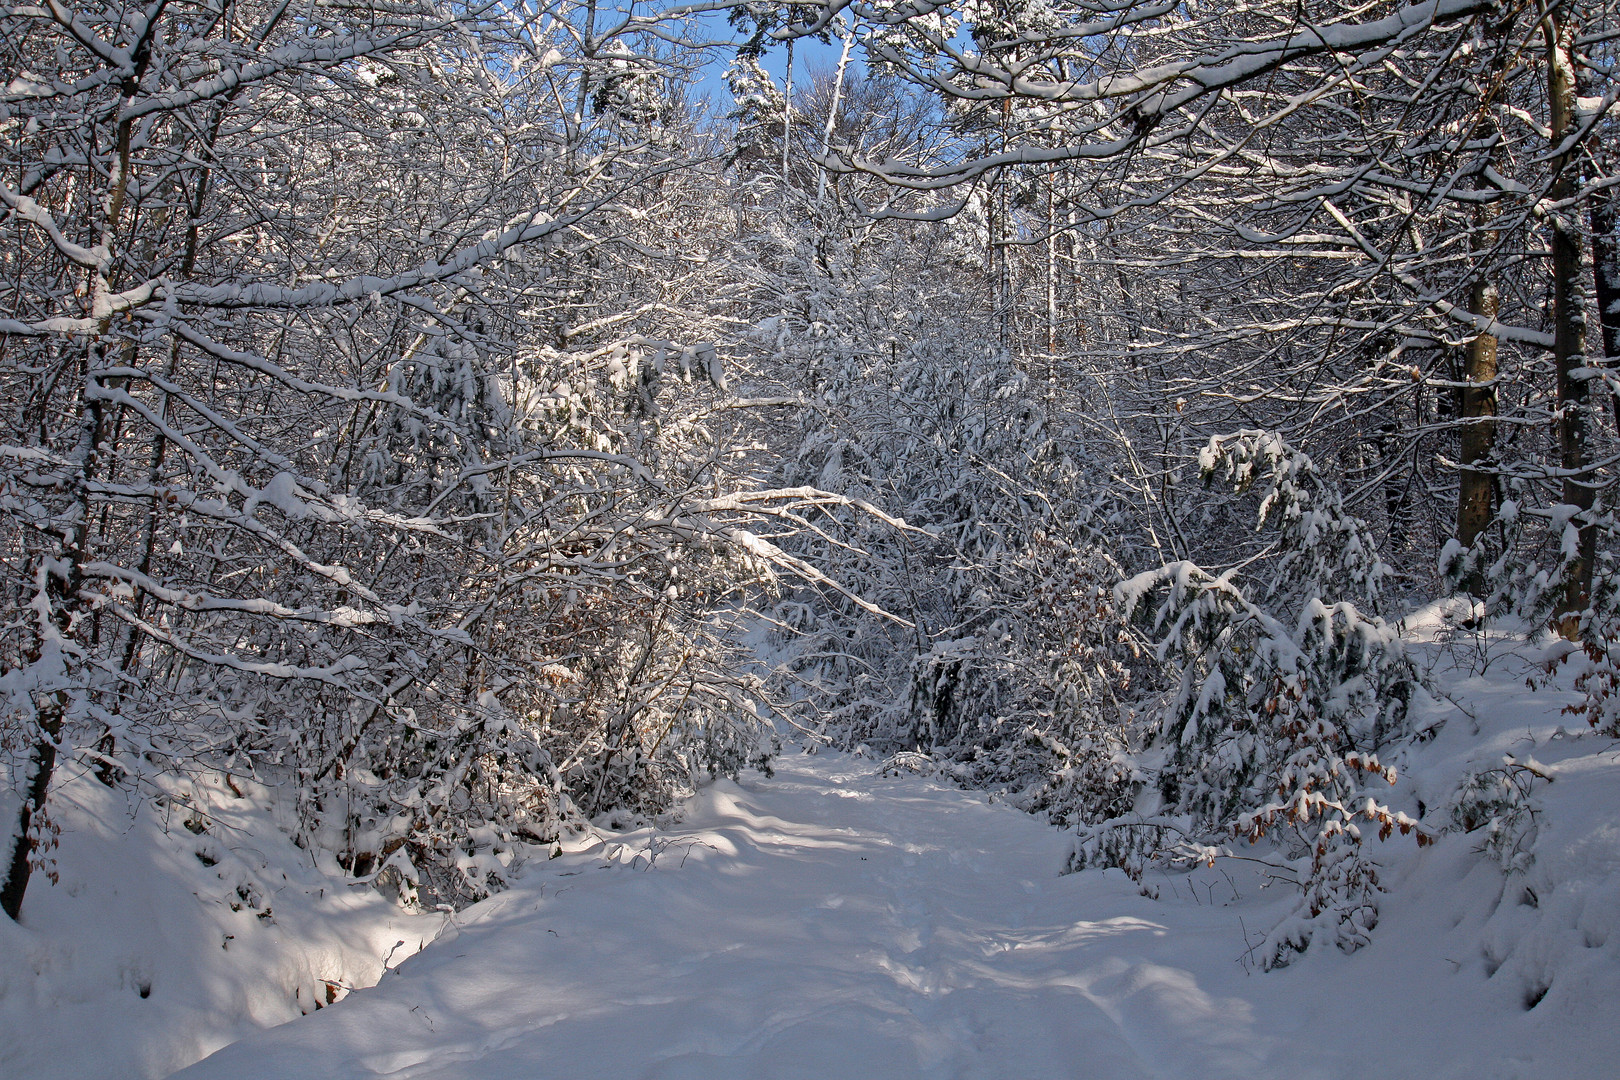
(59, 574)
(1606, 272)
(1604, 219)
(41, 766)
(1569, 322)
(1478, 401)
(787, 111)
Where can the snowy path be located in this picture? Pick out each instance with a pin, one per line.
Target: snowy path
(830, 923)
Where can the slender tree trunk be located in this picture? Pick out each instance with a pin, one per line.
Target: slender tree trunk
(1477, 401)
(787, 111)
(832, 110)
(1051, 278)
(1478, 404)
(58, 576)
(998, 249)
(1569, 319)
(41, 766)
(1606, 274)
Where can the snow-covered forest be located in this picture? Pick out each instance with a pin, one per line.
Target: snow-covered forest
(450, 447)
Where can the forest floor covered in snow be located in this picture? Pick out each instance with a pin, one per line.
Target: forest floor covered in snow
(835, 920)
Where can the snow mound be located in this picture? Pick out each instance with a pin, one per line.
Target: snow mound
(178, 925)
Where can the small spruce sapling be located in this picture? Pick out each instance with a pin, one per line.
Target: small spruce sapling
(1277, 724)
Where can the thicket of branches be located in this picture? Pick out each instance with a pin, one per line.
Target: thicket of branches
(365, 376)
(1344, 274)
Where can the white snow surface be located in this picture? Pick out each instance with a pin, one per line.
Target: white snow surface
(835, 922)
(160, 944)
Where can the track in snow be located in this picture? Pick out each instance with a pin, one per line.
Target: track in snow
(831, 923)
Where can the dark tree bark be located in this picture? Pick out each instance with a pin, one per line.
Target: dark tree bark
(1605, 219)
(41, 766)
(1569, 317)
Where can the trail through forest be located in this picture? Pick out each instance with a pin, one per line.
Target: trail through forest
(833, 921)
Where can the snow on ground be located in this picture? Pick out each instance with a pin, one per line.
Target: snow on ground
(835, 922)
(827, 922)
(177, 928)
